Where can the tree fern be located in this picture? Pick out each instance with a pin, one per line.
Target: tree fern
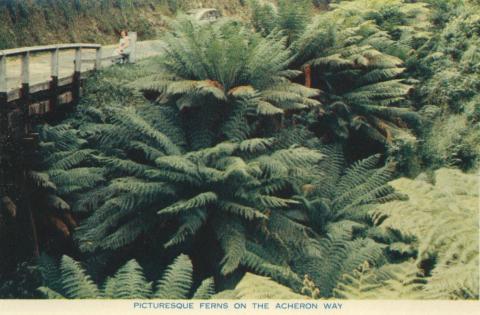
(223, 76)
(238, 180)
(351, 52)
(189, 191)
(336, 256)
(349, 193)
(241, 191)
(336, 207)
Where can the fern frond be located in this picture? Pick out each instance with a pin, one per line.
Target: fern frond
(255, 145)
(201, 200)
(191, 223)
(73, 159)
(263, 267)
(232, 239)
(42, 180)
(391, 281)
(176, 281)
(132, 122)
(206, 290)
(71, 281)
(129, 282)
(75, 282)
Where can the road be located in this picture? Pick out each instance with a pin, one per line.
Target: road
(40, 63)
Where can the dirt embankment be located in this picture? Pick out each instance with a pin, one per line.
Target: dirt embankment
(40, 22)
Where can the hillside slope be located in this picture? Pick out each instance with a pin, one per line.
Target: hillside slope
(37, 22)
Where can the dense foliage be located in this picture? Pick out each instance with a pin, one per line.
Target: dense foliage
(359, 61)
(448, 65)
(270, 147)
(69, 280)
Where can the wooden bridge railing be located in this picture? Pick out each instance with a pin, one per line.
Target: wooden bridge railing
(19, 103)
(25, 53)
(43, 94)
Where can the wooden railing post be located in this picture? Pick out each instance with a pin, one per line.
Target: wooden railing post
(26, 152)
(54, 81)
(27, 155)
(3, 97)
(78, 59)
(54, 64)
(77, 75)
(3, 74)
(25, 92)
(98, 58)
(25, 68)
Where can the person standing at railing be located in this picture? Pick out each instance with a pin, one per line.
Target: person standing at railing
(123, 49)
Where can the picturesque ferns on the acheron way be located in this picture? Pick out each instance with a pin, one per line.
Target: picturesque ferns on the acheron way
(215, 150)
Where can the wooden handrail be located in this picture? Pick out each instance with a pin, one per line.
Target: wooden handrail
(47, 48)
(25, 53)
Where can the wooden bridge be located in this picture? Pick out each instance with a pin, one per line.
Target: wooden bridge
(30, 88)
(19, 103)
(39, 84)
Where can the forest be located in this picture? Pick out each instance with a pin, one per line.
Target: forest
(295, 150)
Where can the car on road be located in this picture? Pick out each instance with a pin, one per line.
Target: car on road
(205, 14)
